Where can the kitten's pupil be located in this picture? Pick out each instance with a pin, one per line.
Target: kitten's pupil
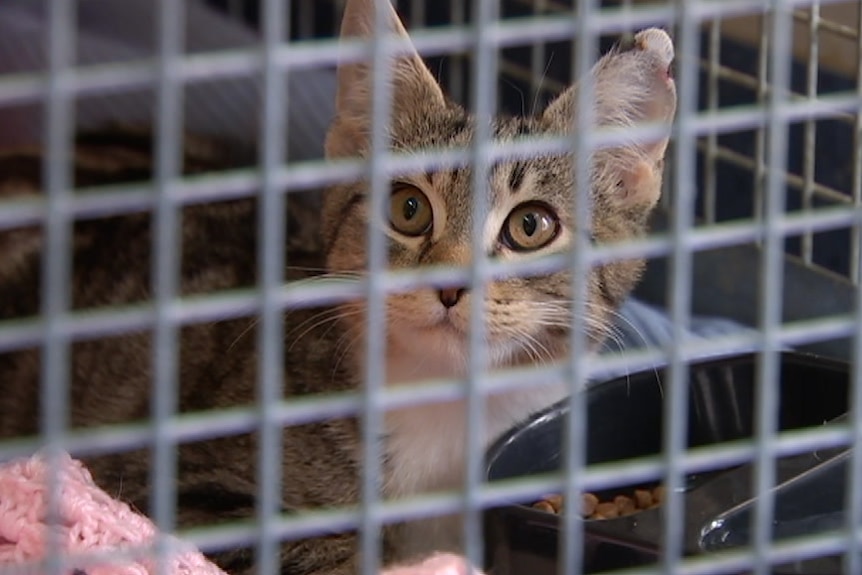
(411, 206)
(529, 223)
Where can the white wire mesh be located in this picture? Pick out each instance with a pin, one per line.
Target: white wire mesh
(815, 207)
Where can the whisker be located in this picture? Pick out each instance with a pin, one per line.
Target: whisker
(613, 336)
(541, 82)
(342, 346)
(535, 349)
(543, 354)
(344, 337)
(254, 322)
(243, 333)
(519, 90)
(607, 337)
(341, 314)
(344, 353)
(314, 317)
(337, 276)
(615, 314)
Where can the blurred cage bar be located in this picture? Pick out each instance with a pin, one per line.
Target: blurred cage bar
(750, 204)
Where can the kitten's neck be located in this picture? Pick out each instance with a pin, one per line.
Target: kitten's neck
(434, 432)
(409, 364)
(425, 443)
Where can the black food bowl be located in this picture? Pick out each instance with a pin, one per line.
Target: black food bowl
(624, 420)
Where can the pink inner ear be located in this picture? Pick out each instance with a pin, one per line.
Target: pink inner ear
(659, 108)
(640, 184)
(657, 149)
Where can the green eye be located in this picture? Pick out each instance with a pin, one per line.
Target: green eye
(410, 211)
(529, 227)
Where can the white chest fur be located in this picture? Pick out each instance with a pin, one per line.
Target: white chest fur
(426, 444)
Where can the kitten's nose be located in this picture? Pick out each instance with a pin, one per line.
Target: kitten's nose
(450, 296)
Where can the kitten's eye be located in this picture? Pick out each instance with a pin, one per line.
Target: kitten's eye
(410, 211)
(529, 227)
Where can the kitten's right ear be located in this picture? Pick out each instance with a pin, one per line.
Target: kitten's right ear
(415, 92)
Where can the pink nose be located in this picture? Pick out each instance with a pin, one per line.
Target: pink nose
(450, 296)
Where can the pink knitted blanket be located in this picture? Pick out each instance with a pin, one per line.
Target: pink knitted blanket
(106, 535)
(102, 536)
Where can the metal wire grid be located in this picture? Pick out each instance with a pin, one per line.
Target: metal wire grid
(171, 70)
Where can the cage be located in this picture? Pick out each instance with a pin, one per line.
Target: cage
(748, 301)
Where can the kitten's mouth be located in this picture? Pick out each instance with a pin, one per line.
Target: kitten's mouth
(446, 324)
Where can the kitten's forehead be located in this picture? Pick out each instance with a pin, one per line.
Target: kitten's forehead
(454, 127)
(426, 129)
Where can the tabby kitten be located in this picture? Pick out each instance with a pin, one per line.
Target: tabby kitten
(429, 223)
(529, 214)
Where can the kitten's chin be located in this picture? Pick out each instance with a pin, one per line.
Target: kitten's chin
(443, 347)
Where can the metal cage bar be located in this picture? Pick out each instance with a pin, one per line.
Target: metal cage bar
(380, 51)
(856, 186)
(484, 104)
(56, 267)
(709, 192)
(582, 145)
(810, 127)
(271, 258)
(675, 429)
(771, 282)
(165, 271)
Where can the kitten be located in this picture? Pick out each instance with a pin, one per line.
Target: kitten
(529, 215)
(429, 223)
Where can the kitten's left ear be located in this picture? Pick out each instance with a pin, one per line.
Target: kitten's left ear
(632, 87)
(415, 92)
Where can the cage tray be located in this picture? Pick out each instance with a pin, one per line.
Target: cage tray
(625, 421)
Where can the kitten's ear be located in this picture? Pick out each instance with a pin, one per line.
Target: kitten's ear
(632, 87)
(415, 92)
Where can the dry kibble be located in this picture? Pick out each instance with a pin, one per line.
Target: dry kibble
(556, 502)
(643, 498)
(590, 502)
(625, 505)
(622, 500)
(620, 506)
(607, 510)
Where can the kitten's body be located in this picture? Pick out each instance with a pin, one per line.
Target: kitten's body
(526, 318)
